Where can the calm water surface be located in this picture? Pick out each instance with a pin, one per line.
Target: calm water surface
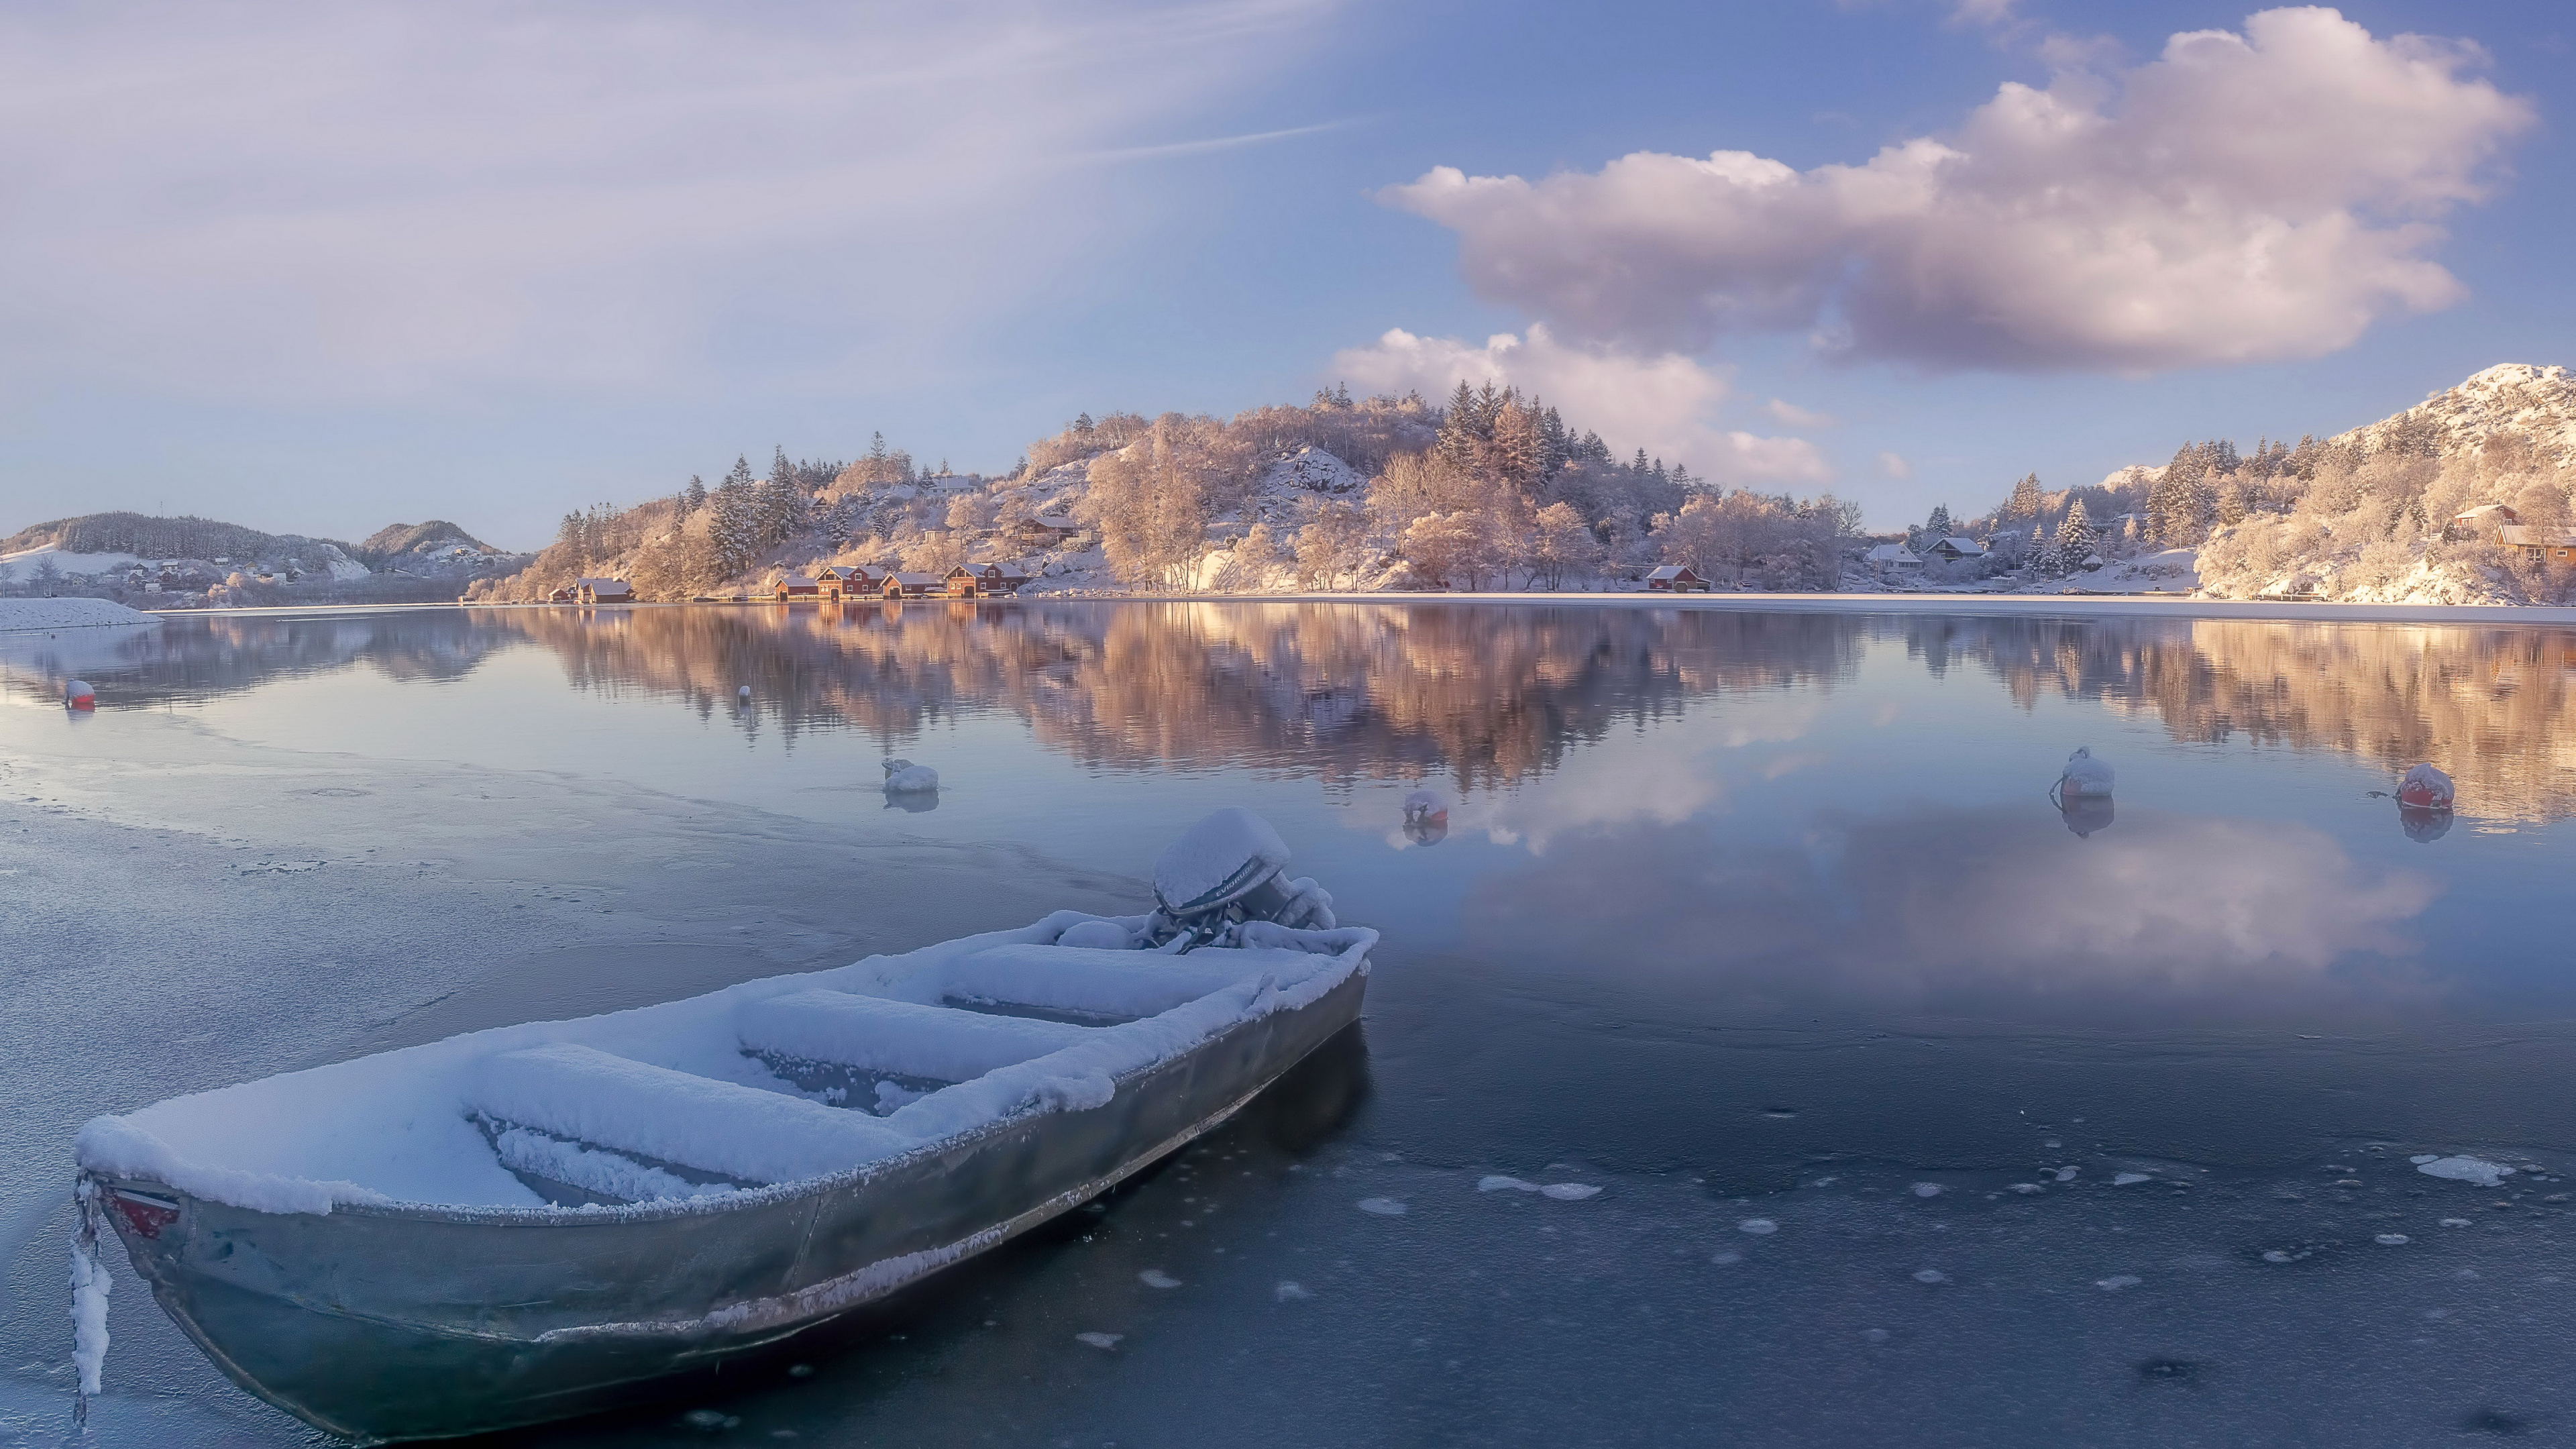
(1921, 1113)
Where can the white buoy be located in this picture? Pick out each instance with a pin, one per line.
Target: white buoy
(743, 694)
(2085, 775)
(903, 777)
(2425, 788)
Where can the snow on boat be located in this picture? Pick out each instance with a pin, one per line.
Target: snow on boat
(531, 1222)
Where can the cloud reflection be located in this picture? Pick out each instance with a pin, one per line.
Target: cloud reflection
(1920, 903)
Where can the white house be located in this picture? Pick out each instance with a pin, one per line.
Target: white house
(1954, 548)
(1892, 559)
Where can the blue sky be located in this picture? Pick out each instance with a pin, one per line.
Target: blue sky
(319, 268)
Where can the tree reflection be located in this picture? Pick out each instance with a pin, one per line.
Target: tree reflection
(1493, 695)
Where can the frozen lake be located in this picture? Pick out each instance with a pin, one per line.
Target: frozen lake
(1916, 1115)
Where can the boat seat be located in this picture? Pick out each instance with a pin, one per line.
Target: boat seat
(1108, 982)
(586, 1095)
(903, 1038)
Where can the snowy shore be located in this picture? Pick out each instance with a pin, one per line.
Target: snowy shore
(17, 614)
(1984, 605)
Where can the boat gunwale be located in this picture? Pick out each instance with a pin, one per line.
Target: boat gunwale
(1352, 960)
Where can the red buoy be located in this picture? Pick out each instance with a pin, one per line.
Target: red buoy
(78, 695)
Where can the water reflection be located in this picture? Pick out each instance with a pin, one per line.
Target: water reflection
(1497, 698)
(2484, 703)
(2085, 814)
(1930, 906)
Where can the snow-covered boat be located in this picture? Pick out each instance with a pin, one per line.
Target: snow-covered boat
(536, 1221)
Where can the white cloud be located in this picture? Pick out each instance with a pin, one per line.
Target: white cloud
(1895, 466)
(1662, 403)
(1790, 415)
(374, 198)
(2243, 197)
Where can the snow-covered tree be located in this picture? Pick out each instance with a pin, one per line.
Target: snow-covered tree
(2075, 539)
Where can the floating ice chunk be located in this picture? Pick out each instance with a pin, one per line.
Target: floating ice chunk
(1569, 1191)
(2476, 1171)
(1292, 1293)
(2455, 1222)
(1385, 1207)
(2118, 1281)
(2126, 1178)
(1496, 1182)
(1729, 1256)
(1927, 1189)
(709, 1419)
(2420, 1158)
(1099, 1340)
(1157, 1278)
(1930, 1275)
(2392, 1240)
(2066, 1174)
(1759, 1227)
(1874, 1335)
(891, 1095)
(903, 777)
(2027, 1188)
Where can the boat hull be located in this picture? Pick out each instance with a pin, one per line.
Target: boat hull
(383, 1324)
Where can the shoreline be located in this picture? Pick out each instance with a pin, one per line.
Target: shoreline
(1972, 605)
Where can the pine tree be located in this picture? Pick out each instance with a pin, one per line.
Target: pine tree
(1937, 527)
(693, 497)
(1556, 449)
(733, 528)
(2025, 503)
(1639, 466)
(1458, 431)
(1083, 425)
(2075, 539)
(1342, 395)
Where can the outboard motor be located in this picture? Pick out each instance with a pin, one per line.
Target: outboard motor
(1229, 868)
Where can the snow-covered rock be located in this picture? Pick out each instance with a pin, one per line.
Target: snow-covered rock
(1310, 470)
(903, 777)
(2085, 775)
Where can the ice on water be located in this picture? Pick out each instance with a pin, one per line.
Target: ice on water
(2475, 1171)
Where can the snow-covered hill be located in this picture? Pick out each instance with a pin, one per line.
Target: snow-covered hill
(2372, 521)
(2516, 399)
